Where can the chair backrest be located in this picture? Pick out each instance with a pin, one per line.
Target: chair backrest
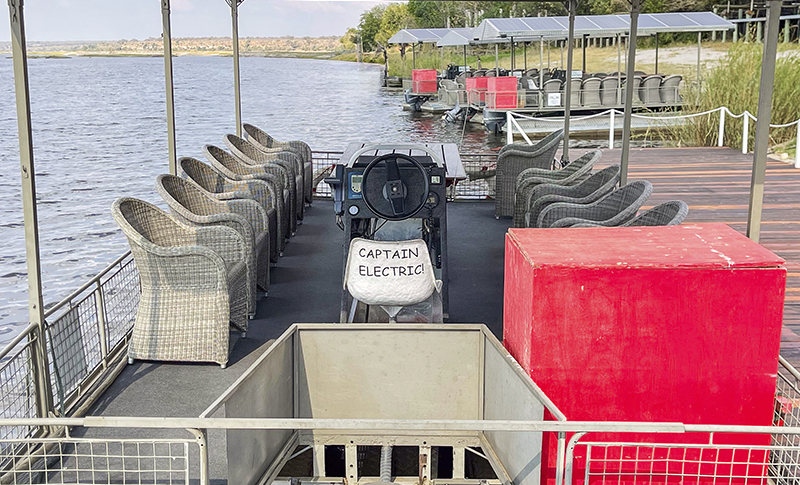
(591, 92)
(390, 273)
(203, 175)
(609, 91)
(179, 193)
(258, 135)
(145, 225)
(669, 213)
(548, 143)
(246, 150)
(552, 86)
(604, 179)
(669, 89)
(649, 90)
(575, 95)
(582, 164)
(225, 163)
(634, 193)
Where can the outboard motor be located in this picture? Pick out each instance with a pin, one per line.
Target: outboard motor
(397, 196)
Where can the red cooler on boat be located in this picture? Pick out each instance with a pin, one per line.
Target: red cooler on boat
(659, 324)
(476, 89)
(501, 92)
(424, 81)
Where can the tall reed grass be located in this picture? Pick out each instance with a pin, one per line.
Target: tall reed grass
(734, 83)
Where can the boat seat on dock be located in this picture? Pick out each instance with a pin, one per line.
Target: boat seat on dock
(193, 283)
(222, 188)
(513, 159)
(668, 91)
(591, 92)
(614, 209)
(649, 91)
(266, 143)
(574, 173)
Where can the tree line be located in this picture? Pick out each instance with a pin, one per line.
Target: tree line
(379, 23)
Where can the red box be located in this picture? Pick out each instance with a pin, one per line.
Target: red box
(502, 84)
(658, 324)
(501, 100)
(476, 89)
(426, 87)
(423, 75)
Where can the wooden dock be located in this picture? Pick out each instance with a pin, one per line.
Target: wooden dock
(715, 182)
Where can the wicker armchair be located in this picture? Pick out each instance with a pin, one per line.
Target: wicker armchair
(615, 209)
(597, 185)
(513, 159)
(262, 140)
(573, 173)
(670, 213)
(235, 169)
(249, 154)
(223, 188)
(193, 282)
(193, 204)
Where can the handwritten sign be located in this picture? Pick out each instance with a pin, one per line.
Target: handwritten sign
(553, 99)
(389, 272)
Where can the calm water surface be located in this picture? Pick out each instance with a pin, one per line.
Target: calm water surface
(99, 132)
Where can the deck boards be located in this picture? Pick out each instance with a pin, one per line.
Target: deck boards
(715, 182)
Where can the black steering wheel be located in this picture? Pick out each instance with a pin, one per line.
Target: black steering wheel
(395, 199)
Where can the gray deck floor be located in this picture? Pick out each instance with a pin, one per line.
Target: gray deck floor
(306, 288)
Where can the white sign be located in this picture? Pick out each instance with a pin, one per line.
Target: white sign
(389, 272)
(553, 99)
(577, 74)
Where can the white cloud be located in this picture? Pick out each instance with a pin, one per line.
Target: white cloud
(181, 5)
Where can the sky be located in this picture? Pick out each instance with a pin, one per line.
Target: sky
(51, 20)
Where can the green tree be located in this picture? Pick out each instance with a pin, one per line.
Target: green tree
(370, 25)
(395, 18)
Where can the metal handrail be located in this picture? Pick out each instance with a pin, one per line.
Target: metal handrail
(8, 348)
(91, 282)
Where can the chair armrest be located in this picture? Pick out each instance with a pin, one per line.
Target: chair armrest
(223, 240)
(251, 210)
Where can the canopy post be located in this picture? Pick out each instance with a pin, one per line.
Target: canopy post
(413, 56)
(513, 54)
(35, 300)
(762, 123)
(630, 72)
(541, 65)
(583, 45)
(465, 58)
(525, 55)
(170, 91)
(699, 75)
(573, 6)
(619, 55)
(237, 94)
(496, 60)
(656, 68)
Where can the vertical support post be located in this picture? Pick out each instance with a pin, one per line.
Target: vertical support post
(745, 133)
(170, 91)
(101, 323)
(611, 130)
(509, 128)
(763, 117)
(721, 133)
(541, 53)
(525, 55)
(786, 32)
(425, 463)
(319, 460)
(759, 31)
(413, 56)
(35, 301)
(573, 6)
(797, 147)
(561, 453)
(724, 36)
(656, 67)
(496, 60)
(541, 67)
(513, 55)
(351, 464)
(626, 122)
(699, 73)
(561, 44)
(619, 56)
(458, 462)
(237, 95)
(465, 58)
(583, 43)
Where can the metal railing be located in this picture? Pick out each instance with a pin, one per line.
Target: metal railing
(480, 168)
(614, 123)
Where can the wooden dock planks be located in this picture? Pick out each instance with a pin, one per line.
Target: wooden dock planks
(715, 182)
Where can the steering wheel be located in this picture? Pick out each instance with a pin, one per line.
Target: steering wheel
(390, 201)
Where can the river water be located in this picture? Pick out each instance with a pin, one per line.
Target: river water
(99, 133)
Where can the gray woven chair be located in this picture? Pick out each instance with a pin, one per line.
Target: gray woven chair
(263, 141)
(513, 159)
(669, 89)
(597, 185)
(591, 92)
(670, 213)
(649, 90)
(193, 282)
(615, 209)
(249, 154)
(194, 205)
(222, 188)
(609, 90)
(575, 172)
(235, 169)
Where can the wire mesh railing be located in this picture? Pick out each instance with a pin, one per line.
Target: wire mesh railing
(95, 460)
(480, 169)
